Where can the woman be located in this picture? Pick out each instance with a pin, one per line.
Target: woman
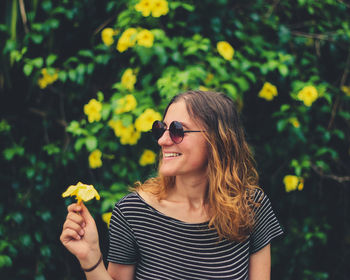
(203, 217)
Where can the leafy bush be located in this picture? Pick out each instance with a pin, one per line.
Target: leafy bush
(81, 82)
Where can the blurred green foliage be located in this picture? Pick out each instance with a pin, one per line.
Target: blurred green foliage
(53, 62)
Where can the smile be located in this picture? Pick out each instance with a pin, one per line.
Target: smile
(170, 155)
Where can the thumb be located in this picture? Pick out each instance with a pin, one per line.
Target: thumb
(85, 213)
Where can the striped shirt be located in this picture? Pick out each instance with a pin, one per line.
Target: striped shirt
(165, 248)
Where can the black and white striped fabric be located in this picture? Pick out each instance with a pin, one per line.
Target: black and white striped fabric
(165, 248)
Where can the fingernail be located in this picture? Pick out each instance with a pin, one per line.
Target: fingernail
(83, 225)
(81, 232)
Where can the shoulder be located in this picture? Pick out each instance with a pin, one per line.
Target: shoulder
(128, 201)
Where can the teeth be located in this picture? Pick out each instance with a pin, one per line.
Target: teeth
(171, 155)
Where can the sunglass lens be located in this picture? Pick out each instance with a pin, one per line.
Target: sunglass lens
(158, 129)
(176, 132)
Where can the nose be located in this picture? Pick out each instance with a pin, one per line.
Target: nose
(165, 139)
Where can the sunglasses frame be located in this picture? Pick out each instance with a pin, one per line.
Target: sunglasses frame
(171, 129)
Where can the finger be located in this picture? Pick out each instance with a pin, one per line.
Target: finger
(74, 207)
(86, 214)
(69, 235)
(76, 218)
(73, 226)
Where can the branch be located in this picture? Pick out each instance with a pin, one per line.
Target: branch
(313, 36)
(23, 15)
(342, 82)
(346, 4)
(272, 7)
(98, 29)
(44, 114)
(339, 179)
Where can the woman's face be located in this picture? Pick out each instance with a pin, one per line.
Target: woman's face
(190, 157)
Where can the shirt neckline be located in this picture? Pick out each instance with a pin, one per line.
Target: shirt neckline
(166, 216)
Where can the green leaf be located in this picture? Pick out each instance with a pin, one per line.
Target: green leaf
(5, 261)
(283, 69)
(27, 69)
(10, 153)
(51, 59)
(37, 38)
(91, 143)
(38, 62)
(79, 144)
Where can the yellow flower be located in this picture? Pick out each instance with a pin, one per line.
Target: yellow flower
(107, 36)
(292, 182)
(145, 120)
(127, 134)
(268, 91)
(127, 39)
(145, 7)
(225, 50)
(128, 79)
(160, 8)
(82, 192)
(130, 136)
(294, 122)
(145, 38)
(93, 110)
(106, 217)
(155, 7)
(95, 159)
(203, 88)
(346, 90)
(126, 104)
(47, 78)
(147, 157)
(308, 95)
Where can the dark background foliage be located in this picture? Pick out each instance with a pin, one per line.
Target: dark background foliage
(290, 44)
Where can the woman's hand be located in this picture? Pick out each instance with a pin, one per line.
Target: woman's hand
(80, 236)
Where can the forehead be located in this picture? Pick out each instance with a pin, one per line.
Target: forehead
(177, 112)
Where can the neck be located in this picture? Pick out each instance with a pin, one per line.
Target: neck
(190, 190)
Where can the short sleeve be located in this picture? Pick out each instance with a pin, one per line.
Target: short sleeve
(266, 226)
(122, 243)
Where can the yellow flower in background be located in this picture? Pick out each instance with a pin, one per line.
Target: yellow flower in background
(82, 192)
(268, 91)
(116, 125)
(128, 134)
(47, 78)
(128, 79)
(93, 110)
(126, 104)
(127, 39)
(292, 183)
(95, 159)
(225, 50)
(160, 8)
(147, 157)
(145, 120)
(145, 38)
(203, 88)
(346, 90)
(155, 7)
(106, 217)
(145, 7)
(308, 95)
(294, 122)
(107, 36)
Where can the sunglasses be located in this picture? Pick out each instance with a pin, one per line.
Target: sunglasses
(176, 131)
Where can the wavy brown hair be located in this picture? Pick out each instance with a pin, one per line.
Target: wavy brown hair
(232, 176)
